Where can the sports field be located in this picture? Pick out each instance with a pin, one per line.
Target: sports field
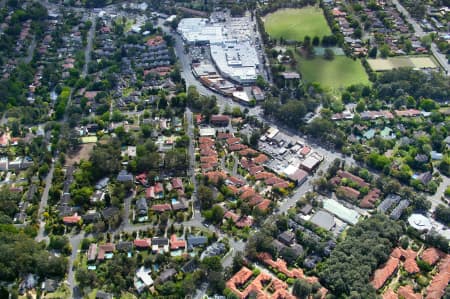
(295, 24)
(333, 74)
(417, 62)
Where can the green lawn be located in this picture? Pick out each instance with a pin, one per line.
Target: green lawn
(295, 24)
(333, 74)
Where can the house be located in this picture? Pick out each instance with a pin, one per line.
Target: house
(382, 274)
(398, 210)
(141, 207)
(348, 192)
(70, 220)
(323, 220)
(160, 245)
(140, 244)
(196, 241)
(160, 208)
(177, 184)
(220, 120)
(124, 246)
(50, 285)
(102, 184)
(215, 249)
(92, 252)
(167, 274)
(306, 209)
(105, 251)
(142, 279)
(125, 176)
(103, 295)
(176, 243)
(110, 212)
(190, 266)
(287, 238)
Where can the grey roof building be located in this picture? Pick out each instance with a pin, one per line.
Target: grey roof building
(388, 202)
(398, 211)
(141, 207)
(324, 220)
(196, 241)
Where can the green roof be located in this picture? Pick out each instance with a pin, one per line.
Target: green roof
(343, 213)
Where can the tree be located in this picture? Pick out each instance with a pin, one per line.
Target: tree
(328, 54)
(373, 52)
(315, 41)
(384, 51)
(442, 214)
(205, 197)
(301, 289)
(361, 106)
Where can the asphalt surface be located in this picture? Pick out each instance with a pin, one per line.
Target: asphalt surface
(43, 204)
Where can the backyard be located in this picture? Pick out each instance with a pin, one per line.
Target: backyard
(295, 24)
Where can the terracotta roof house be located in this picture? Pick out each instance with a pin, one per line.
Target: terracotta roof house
(237, 147)
(382, 274)
(176, 243)
(177, 183)
(231, 215)
(104, 249)
(236, 181)
(349, 192)
(356, 179)
(161, 208)
(264, 205)
(407, 292)
(233, 140)
(255, 169)
(245, 221)
(74, 219)
(436, 288)
(432, 255)
(263, 175)
(368, 201)
(214, 176)
(409, 258)
(220, 120)
(389, 294)
(142, 243)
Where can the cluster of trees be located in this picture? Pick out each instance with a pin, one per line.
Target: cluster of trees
(206, 105)
(367, 245)
(403, 82)
(20, 255)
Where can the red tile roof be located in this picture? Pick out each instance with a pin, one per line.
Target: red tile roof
(349, 192)
(161, 207)
(176, 243)
(237, 147)
(105, 248)
(177, 183)
(233, 140)
(382, 274)
(214, 176)
(142, 243)
(389, 294)
(264, 205)
(368, 201)
(72, 219)
(263, 175)
(436, 288)
(231, 215)
(156, 41)
(356, 179)
(432, 255)
(255, 169)
(407, 292)
(409, 256)
(261, 159)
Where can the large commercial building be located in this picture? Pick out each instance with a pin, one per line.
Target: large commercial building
(232, 49)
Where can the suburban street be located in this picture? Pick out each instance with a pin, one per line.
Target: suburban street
(43, 204)
(88, 50)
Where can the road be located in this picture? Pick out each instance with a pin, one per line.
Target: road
(75, 242)
(420, 33)
(43, 204)
(30, 51)
(88, 50)
(435, 199)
